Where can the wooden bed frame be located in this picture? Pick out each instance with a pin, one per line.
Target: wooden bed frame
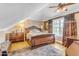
(42, 39)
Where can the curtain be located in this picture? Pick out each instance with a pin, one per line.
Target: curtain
(70, 27)
(50, 26)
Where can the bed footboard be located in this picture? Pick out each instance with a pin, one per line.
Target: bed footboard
(43, 39)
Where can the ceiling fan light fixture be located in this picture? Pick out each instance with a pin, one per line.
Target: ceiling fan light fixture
(62, 9)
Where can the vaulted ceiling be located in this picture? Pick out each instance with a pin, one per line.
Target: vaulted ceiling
(11, 13)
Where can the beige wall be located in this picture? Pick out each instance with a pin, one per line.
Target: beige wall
(27, 24)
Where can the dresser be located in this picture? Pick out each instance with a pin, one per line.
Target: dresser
(70, 40)
(16, 37)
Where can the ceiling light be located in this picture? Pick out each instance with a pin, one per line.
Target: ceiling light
(62, 9)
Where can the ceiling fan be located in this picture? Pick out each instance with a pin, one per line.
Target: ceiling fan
(62, 6)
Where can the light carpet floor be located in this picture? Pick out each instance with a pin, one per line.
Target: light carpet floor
(47, 50)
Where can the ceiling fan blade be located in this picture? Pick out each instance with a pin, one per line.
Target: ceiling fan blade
(53, 6)
(69, 4)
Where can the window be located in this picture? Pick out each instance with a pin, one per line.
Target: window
(58, 26)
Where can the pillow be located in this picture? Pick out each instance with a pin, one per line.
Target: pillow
(35, 30)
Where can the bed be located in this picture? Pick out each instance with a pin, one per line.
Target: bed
(37, 37)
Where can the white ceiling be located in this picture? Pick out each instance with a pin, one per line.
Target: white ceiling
(11, 13)
(49, 13)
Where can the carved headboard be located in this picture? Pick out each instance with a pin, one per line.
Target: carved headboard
(34, 27)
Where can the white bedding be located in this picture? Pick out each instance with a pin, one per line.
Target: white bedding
(35, 33)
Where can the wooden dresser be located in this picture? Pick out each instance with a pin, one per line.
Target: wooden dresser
(15, 37)
(70, 40)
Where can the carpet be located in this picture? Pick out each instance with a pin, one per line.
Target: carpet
(46, 50)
